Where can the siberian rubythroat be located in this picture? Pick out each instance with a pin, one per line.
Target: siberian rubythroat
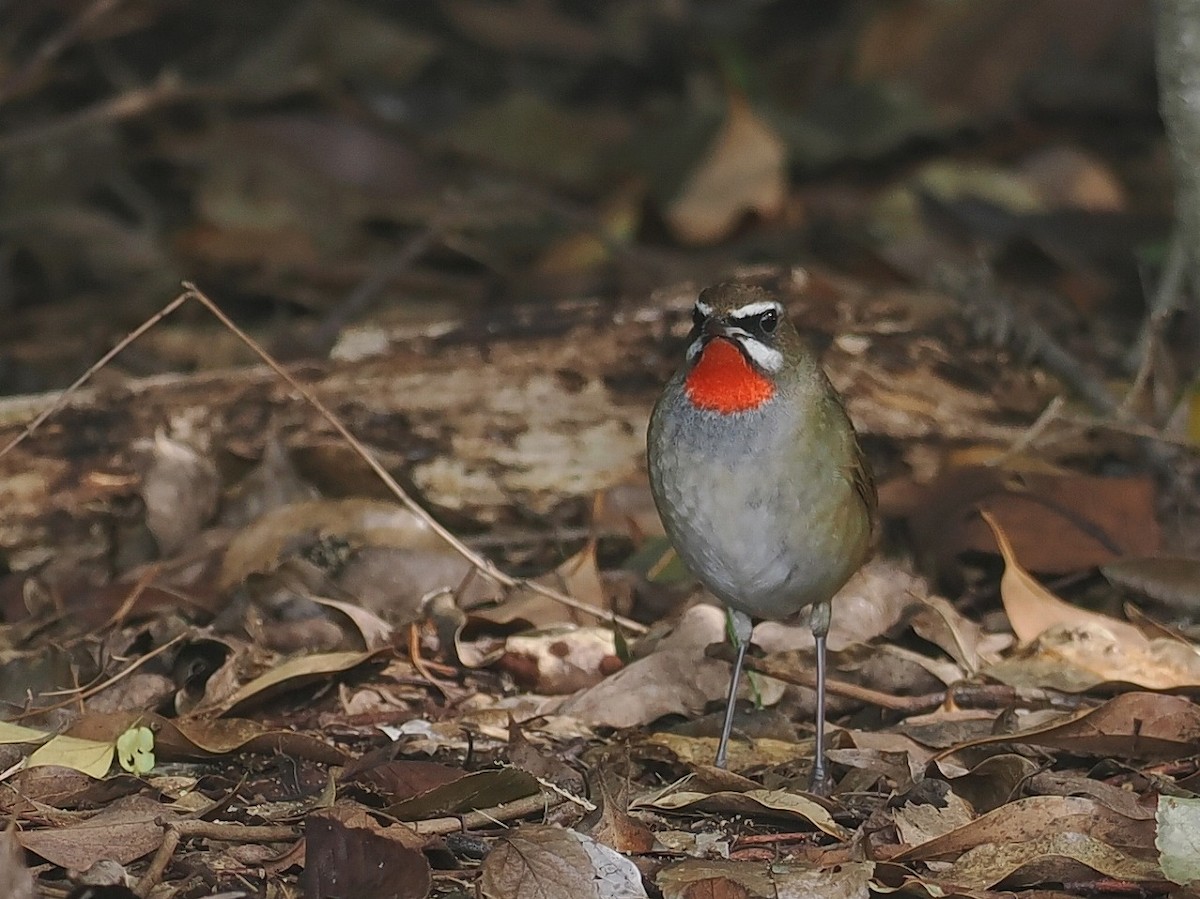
(758, 476)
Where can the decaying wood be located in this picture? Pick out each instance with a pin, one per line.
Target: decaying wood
(477, 422)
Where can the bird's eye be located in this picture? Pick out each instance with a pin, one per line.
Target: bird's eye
(697, 318)
(768, 321)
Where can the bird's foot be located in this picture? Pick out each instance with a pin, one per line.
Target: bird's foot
(820, 783)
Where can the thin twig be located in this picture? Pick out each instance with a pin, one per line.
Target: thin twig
(174, 831)
(52, 48)
(65, 396)
(79, 695)
(509, 811)
(1035, 430)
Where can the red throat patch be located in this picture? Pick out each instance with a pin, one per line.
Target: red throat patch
(723, 381)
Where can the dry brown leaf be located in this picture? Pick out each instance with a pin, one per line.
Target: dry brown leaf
(918, 823)
(123, 831)
(397, 583)
(578, 576)
(561, 661)
(729, 879)
(1069, 857)
(1035, 818)
(1139, 726)
(1057, 523)
(1032, 609)
(676, 678)
(770, 804)
(180, 490)
(962, 639)
(616, 828)
(375, 632)
(192, 738)
(341, 860)
(259, 546)
(553, 863)
(744, 171)
(1083, 656)
(467, 793)
(1172, 580)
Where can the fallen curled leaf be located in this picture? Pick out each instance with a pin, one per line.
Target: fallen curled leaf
(1032, 819)
(1069, 857)
(1149, 726)
(293, 674)
(258, 546)
(1032, 609)
(1088, 655)
(616, 828)
(920, 822)
(193, 738)
(778, 804)
(468, 793)
(675, 678)
(1056, 522)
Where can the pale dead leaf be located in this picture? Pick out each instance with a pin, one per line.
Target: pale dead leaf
(559, 661)
(295, 673)
(962, 639)
(375, 632)
(919, 823)
(123, 831)
(743, 171)
(677, 678)
(727, 879)
(1079, 657)
(1178, 838)
(258, 546)
(1032, 609)
(769, 804)
(578, 576)
(1055, 857)
(180, 491)
(553, 863)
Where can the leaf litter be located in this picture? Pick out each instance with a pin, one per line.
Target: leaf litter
(956, 824)
(285, 674)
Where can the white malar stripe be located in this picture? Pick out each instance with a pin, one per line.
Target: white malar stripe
(757, 308)
(703, 308)
(765, 357)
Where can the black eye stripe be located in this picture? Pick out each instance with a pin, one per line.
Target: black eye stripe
(764, 322)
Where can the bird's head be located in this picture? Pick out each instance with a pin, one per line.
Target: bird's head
(739, 348)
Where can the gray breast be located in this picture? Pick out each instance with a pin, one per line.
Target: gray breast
(748, 527)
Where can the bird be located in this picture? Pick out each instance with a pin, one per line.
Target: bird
(759, 478)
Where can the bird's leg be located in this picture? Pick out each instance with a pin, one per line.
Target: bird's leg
(820, 782)
(740, 628)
